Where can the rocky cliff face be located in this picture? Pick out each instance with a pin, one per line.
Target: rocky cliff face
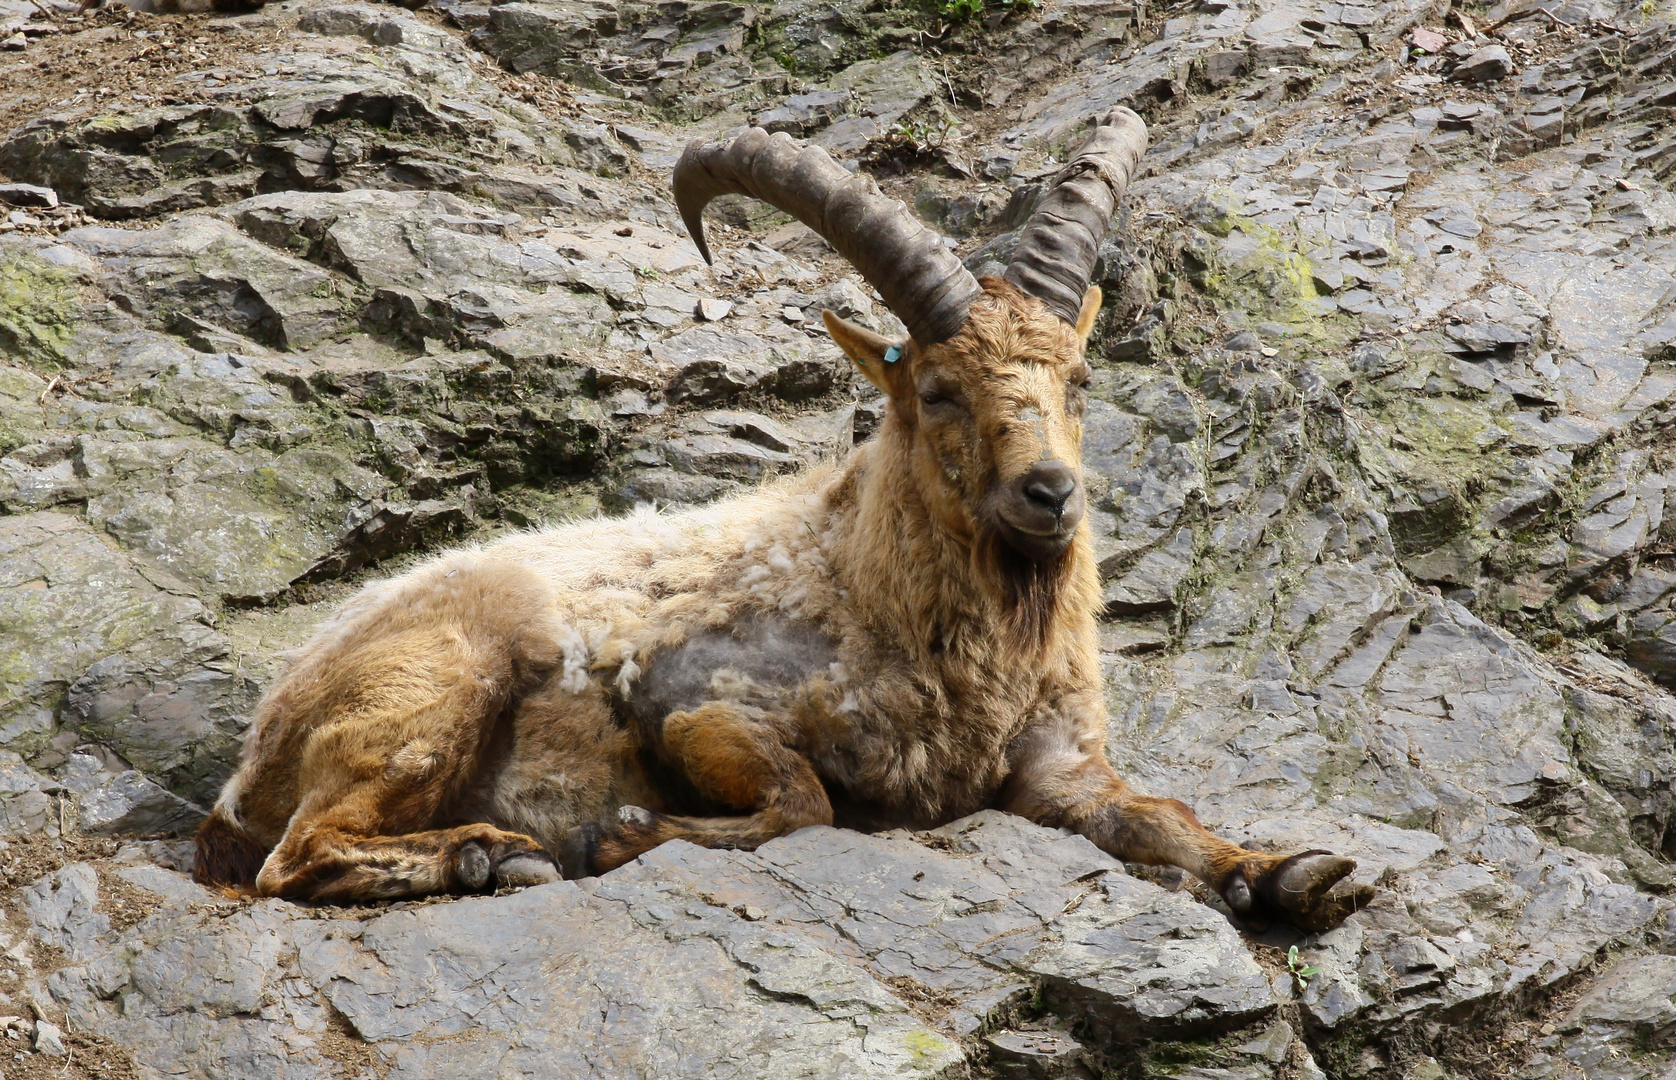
(1379, 467)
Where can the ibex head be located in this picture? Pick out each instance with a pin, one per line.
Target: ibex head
(989, 390)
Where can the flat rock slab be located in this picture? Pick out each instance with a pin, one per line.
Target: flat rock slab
(90, 640)
(1607, 1033)
(825, 953)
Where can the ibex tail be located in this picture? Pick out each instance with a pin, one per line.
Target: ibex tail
(227, 856)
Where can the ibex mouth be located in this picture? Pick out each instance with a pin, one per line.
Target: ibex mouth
(1037, 547)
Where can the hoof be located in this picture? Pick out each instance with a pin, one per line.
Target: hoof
(578, 849)
(1301, 891)
(1238, 895)
(471, 866)
(524, 870)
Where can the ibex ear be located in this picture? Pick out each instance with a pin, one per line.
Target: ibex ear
(1091, 301)
(879, 358)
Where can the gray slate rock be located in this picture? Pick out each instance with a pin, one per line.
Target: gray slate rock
(1037, 1054)
(132, 805)
(357, 20)
(26, 798)
(209, 270)
(714, 957)
(1618, 1030)
(1488, 64)
(28, 195)
(95, 646)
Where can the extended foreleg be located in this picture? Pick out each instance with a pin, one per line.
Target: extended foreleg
(1061, 778)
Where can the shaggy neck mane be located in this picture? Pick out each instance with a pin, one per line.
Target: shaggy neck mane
(931, 579)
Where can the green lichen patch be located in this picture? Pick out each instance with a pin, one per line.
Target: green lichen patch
(1263, 272)
(1436, 460)
(21, 417)
(814, 41)
(39, 309)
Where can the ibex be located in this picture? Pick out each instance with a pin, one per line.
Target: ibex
(897, 639)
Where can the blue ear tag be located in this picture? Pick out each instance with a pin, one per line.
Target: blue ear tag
(893, 354)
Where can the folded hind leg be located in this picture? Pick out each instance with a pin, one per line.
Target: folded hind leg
(372, 824)
(733, 757)
(329, 864)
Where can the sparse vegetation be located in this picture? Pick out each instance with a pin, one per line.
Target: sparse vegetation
(1301, 973)
(960, 11)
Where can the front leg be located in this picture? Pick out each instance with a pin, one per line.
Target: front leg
(731, 758)
(1060, 777)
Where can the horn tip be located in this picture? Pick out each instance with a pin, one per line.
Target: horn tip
(693, 219)
(703, 247)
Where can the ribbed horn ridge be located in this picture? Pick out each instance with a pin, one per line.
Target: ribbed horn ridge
(1056, 251)
(919, 278)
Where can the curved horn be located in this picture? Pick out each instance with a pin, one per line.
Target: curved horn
(1056, 251)
(919, 278)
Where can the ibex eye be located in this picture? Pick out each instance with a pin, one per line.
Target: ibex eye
(939, 395)
(1076, 393)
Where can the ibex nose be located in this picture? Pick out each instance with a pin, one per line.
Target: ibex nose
(1049, 484)
(1042, 509)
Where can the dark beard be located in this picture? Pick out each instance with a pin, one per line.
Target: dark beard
(1030, 589)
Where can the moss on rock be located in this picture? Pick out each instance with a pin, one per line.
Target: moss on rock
(39, 309)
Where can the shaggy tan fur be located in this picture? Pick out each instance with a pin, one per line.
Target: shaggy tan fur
(865, 643)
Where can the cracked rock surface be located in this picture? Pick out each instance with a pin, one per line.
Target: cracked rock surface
(1380, 465)
(715, 956)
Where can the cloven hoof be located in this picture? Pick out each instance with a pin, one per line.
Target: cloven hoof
(474, 868)
(471, 866)
(524, 871)
(1299, 891)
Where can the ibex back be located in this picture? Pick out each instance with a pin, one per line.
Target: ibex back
(898, 639)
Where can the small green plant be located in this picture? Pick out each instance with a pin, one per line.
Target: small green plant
(922, 136)
(965, 10)
(911, 141)
(650, 273)
(1300, 975)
